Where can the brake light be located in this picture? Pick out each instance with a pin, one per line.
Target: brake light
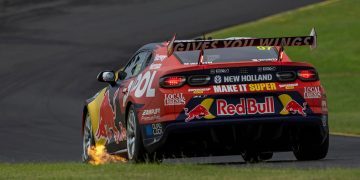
(308, 75)
(172, 81)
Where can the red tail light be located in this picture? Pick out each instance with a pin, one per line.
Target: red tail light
(308, 75)
(172, 81)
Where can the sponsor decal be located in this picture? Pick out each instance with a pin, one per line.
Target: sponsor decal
(266, 69)
(264, 60)
(288, 86)
(258, 77)
(230, 88)
(151, 117)
(159, 57)
(106, 127)
(142, 86)
(194, 63)
(247, 106)
(262, 87)
(243, 78)
(245, 87)
(312, 92)
(219, 71)
(200, 111)
(211, 58)
(174, 99)
(199, 90)
(291, 106)
(157, 129)
(155, 66)
(153, 130)
(200, 96)
(217, 79)
(285, 41)
(243, 71)
(151, 114)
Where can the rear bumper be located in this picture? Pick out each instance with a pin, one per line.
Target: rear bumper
(223, 136)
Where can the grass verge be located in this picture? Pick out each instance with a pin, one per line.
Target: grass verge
(164, 171)
(337, 57)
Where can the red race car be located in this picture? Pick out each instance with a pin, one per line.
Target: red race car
(211, 97)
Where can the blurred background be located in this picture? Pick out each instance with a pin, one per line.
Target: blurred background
(52, 50)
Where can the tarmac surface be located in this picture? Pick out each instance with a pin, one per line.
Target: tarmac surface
(50, 56)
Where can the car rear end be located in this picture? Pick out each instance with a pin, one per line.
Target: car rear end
(234, 104)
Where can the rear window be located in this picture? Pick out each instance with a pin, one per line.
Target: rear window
(259, 53)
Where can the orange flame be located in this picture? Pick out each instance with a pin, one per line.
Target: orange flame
(98, 155)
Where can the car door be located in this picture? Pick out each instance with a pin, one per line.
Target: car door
(113, 103)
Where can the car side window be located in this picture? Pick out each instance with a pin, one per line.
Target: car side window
(139, 61)
(149, 60)
(134, 66)
(128, 68)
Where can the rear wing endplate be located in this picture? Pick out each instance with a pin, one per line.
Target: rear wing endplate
(193, 45)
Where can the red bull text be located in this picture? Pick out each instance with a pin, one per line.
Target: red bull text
(247, 106)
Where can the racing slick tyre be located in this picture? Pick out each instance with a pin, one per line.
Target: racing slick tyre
(254, 157)
(266, 156)
(306, 151)
(251, 157)
(88, 138)
(134, 143)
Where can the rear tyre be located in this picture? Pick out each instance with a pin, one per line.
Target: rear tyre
(251, 157)
(88, 138)
(306, 151)
(135, 147)
(266, 156)
(153, 158)
(254, 157)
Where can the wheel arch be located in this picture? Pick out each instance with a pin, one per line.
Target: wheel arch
(92, 107)
(85, 111)
(127, 111)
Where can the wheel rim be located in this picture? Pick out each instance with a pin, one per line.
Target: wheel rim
(131, 134)
(87, 138)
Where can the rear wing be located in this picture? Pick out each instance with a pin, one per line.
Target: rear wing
(193, 45)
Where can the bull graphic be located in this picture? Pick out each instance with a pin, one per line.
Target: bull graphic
(295, 107)
(291, 106)
(198, 112)
(107, 128)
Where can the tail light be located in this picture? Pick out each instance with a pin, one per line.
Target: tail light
(308, 75)
(198, 80)
(172, 81)
(286, 76)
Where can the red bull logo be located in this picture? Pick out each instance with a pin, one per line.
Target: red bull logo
(200, 111)
(107, 128)
(291, 106)
(246, 106)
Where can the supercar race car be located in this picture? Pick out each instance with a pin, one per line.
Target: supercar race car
(210, 97)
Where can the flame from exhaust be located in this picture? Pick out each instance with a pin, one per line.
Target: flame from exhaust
(98, 155)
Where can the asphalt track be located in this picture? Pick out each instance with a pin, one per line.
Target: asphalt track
(49, 60)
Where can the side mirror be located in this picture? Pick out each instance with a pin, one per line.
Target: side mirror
(107, 76)
(122, 75)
